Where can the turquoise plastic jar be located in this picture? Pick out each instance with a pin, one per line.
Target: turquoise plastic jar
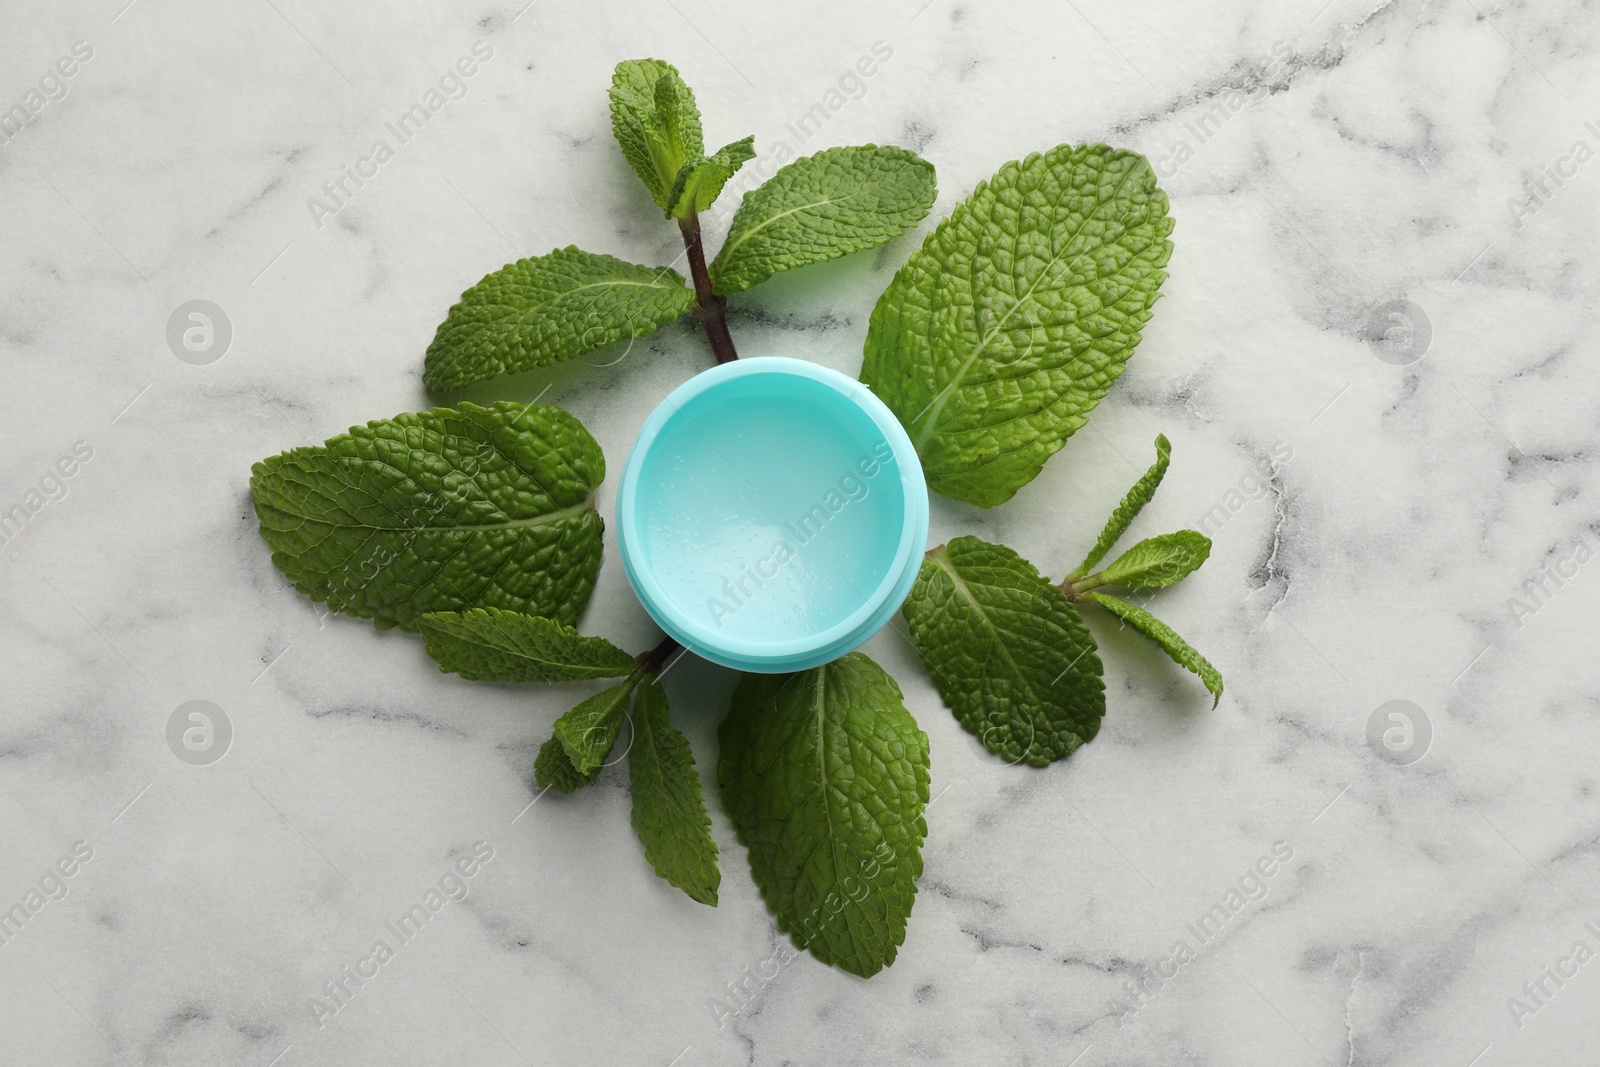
(772, 514)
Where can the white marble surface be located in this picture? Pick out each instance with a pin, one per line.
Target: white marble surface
(1356, 154)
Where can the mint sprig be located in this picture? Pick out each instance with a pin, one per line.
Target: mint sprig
(1009, 651)
(547, 309)
(1151, 564)
(669, 813)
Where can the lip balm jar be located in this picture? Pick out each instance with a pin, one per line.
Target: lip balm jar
(772, 514)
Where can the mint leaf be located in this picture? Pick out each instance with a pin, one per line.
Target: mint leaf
(1133, 503)
(1180, 650)
(821, 207)
(490, 645)
(825, 774)
(1003, 331)
(546, 309)
(1009, 654)
(655, 120)
(1158, 561)
(440, 510)
(700, 181)
(668, 813)
(553, 769)
(589, 731)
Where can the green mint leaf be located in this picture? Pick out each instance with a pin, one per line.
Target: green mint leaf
(700, 181)
(546, 309)
(1003, 331)
(1180, 650)
(490, 645)
(655, 120)
(1008, 652)
(589, 731)
(821, 207)
(440, 510)
(1133, 503)
(669, 814)
(1158, 561)
(553, 769)
(825, 774)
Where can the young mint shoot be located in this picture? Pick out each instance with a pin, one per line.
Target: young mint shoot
(477, 525)
(1151, 564)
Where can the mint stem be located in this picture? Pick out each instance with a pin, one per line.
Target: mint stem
(707, 305)
(651, 662)
(1075, 587)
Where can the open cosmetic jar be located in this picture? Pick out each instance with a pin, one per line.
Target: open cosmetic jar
(772, 514)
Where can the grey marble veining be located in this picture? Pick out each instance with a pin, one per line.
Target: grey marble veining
(1373, 359)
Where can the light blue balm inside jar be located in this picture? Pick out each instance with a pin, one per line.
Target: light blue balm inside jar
(772, 514)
